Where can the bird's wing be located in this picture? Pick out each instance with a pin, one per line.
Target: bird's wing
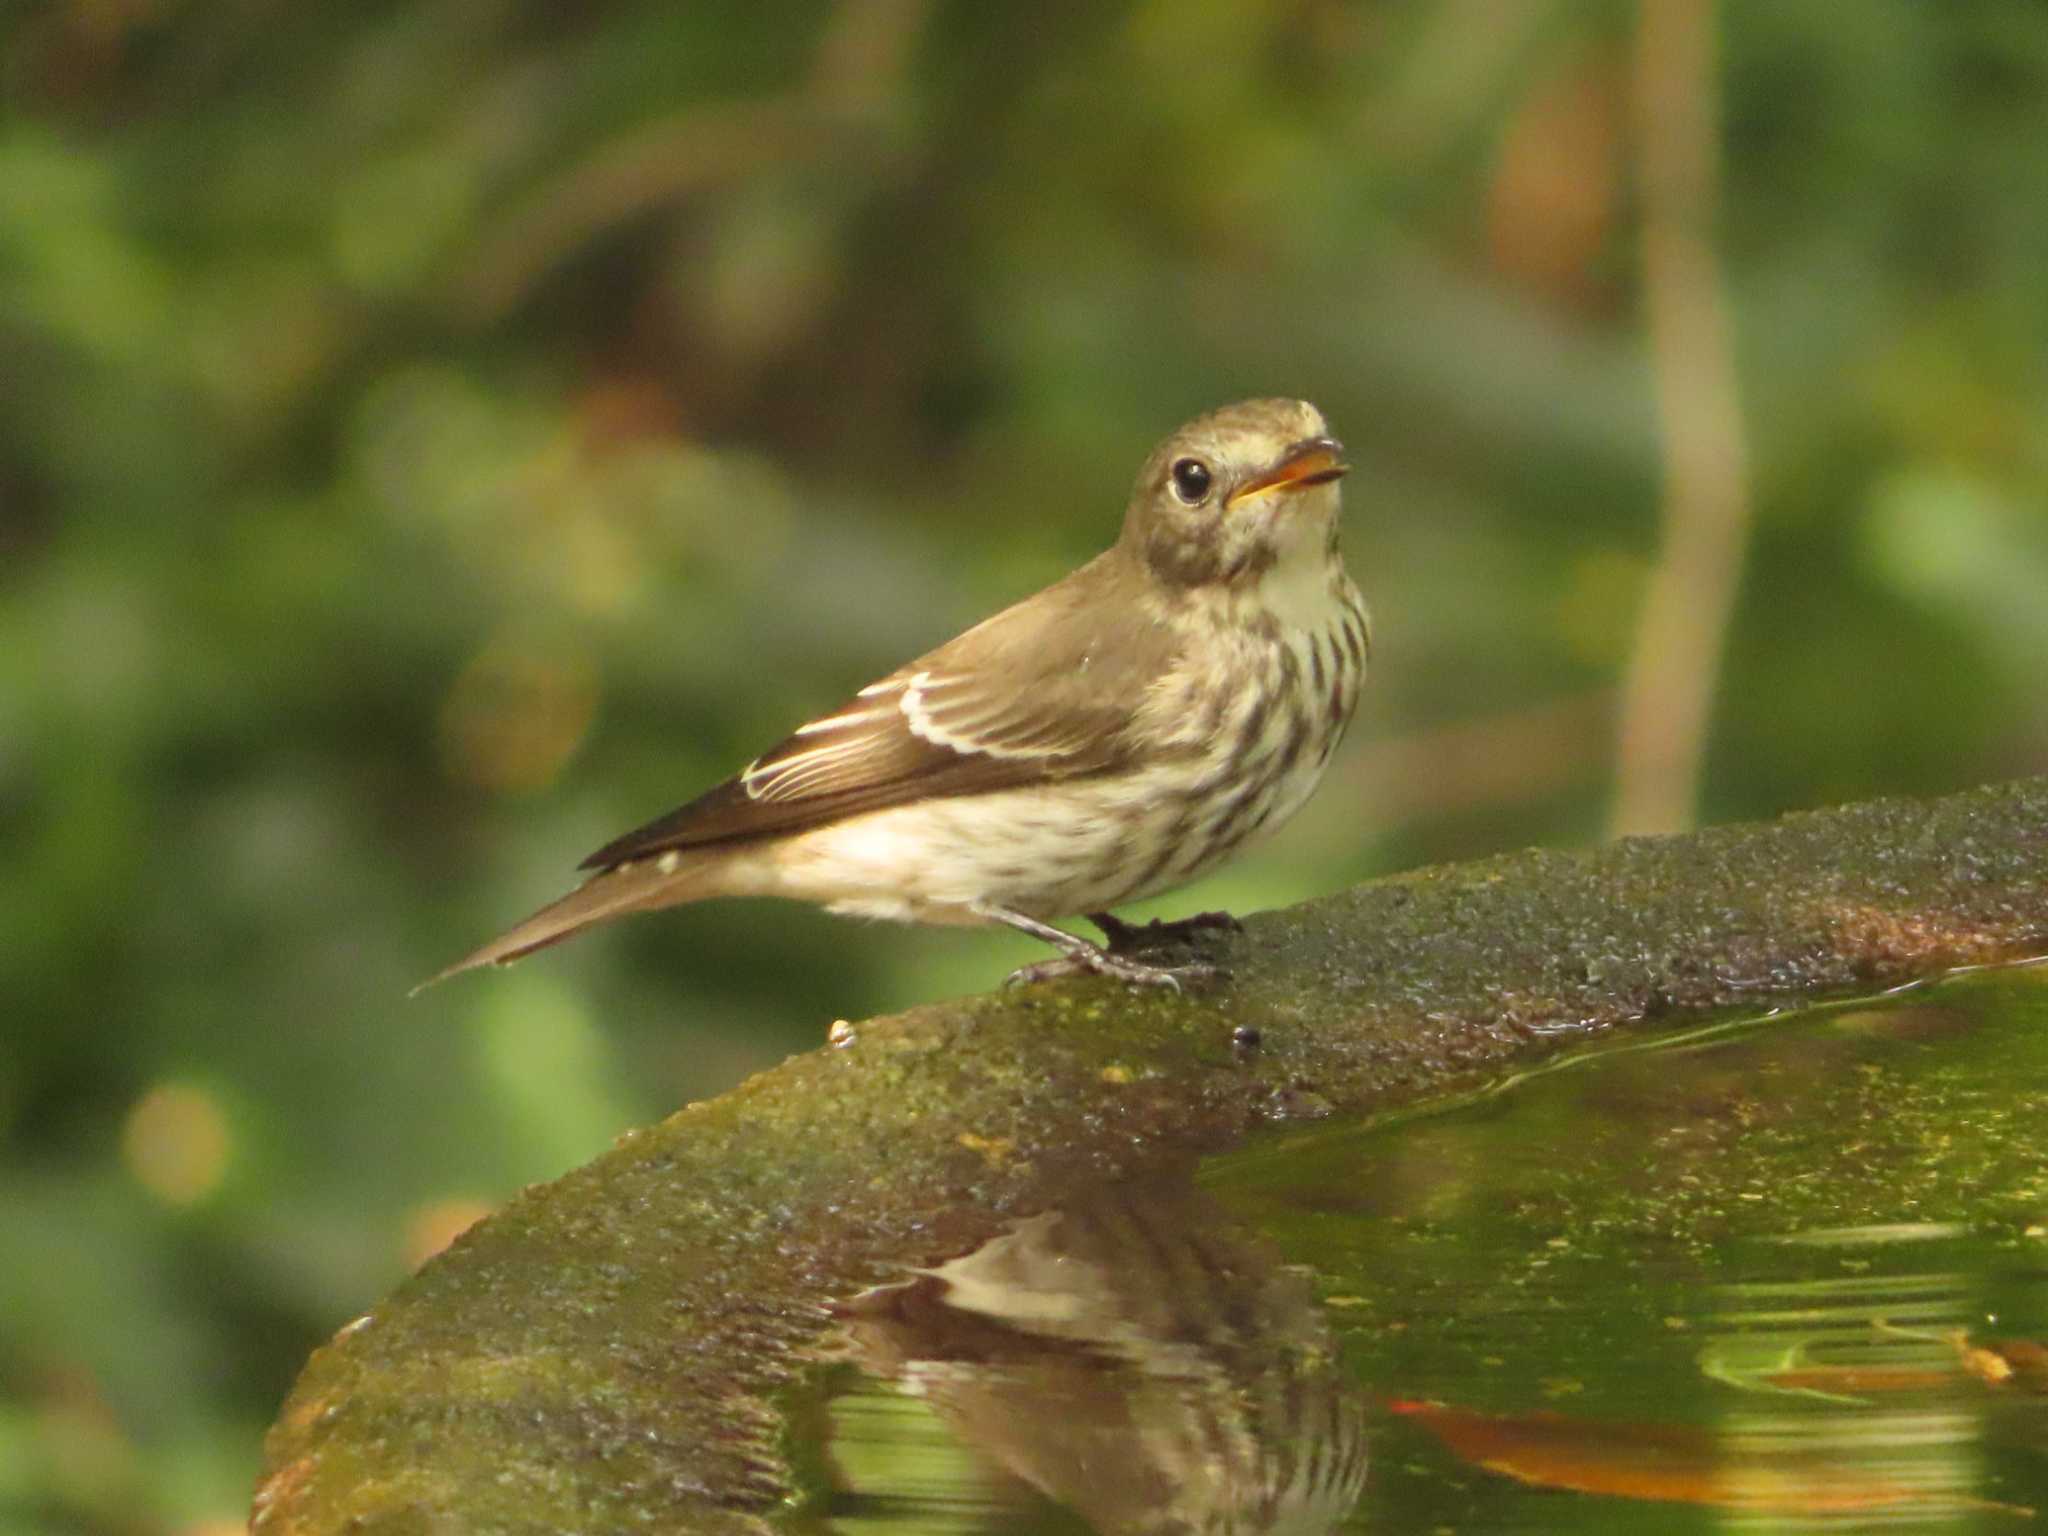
(1045, 690)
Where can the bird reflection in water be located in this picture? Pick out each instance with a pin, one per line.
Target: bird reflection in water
(1137, 1358)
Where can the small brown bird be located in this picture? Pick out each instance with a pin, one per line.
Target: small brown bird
(1113, 736)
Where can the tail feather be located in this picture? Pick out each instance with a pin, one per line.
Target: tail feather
(634, 887)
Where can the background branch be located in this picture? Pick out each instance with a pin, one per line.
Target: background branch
(1669, 692)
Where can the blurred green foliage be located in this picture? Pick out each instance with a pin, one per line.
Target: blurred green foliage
(437, 436)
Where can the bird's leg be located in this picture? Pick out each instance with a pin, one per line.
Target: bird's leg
(1127, 938)
(1079, 957)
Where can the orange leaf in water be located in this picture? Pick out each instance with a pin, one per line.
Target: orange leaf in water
(2005, 1362)
(1673, 1464)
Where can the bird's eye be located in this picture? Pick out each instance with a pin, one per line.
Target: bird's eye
(1190, 480)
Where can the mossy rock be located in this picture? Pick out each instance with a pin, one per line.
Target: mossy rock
(605, 1352)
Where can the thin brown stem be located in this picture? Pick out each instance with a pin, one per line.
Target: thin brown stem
(1668, 695)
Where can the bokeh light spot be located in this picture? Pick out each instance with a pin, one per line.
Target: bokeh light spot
(176, 1143)
(1552, 202)
(516, 715)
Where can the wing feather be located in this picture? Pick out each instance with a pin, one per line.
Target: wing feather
(1044, 690)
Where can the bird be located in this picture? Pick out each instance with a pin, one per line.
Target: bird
(1113, 736)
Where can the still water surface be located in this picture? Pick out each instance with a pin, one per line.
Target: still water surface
(1787, 1275)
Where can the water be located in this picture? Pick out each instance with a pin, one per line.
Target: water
(1783, 1276)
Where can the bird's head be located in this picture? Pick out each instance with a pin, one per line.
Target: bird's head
(1237, 492)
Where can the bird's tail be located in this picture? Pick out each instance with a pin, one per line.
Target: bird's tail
(641, 886)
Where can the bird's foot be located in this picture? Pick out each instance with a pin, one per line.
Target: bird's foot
(1092, 960)
(1077, 957)
(1146, 938)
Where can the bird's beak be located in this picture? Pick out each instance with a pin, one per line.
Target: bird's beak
(1313, 461)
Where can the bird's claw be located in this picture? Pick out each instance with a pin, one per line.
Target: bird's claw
(1094, 961)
